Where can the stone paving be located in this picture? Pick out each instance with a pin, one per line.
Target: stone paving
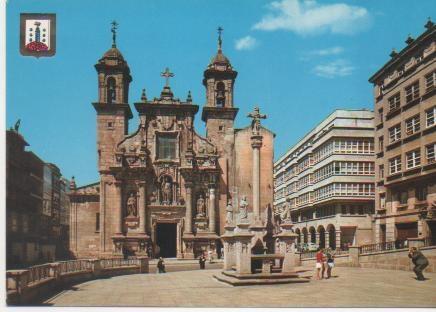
(349, 287)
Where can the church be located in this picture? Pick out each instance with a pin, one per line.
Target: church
(165, 190)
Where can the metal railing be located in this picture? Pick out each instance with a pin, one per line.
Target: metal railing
(74, 266)
(38, 273)
(114, 263)
(392, 245)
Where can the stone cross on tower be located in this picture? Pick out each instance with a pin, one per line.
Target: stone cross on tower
(114, 33)
(167, 74)
(255, 123)
(220, 41)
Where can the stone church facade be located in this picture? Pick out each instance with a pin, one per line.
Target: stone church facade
(164, 189)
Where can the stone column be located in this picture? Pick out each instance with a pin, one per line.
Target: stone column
(338, 239)
(119, 207)
(327, 239)
(141, 208)
(256, 143)
(188, 217)
(317, 234)
(212, 227)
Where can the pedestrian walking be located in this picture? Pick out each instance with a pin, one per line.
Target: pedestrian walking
(320, 264)
(202, 261)
(161, 265)
(209, 254)
(420, 262)
(330, 263)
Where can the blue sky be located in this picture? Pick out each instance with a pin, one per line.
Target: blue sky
(297, 60)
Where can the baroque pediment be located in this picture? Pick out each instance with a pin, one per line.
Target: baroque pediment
(132, 150)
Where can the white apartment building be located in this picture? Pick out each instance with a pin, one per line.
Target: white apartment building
(327, 178)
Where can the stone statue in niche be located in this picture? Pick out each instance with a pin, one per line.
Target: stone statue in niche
(243, 205)
(132, 205)
(201, 207)
(166, 191)
(229, 212)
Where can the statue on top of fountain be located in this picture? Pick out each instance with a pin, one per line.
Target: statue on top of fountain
(243, 209)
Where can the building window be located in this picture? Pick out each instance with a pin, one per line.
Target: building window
(394, 102)
(412, 125)
(413, 159)
(395, 133)
(430, 151)
(395, 165)
(111, 91)
(403, 197)
(166, 146)
(381, 170)
(220, 94)
(97, 222)
(381, 143)
(412, 92)
(380, 113)
(430, 81)
(430, 116)
(110, 125)
(421, 193)
(382, 201)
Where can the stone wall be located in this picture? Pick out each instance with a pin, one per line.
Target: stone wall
(396, 260)
(85, 240)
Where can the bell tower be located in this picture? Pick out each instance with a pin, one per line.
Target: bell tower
(219, 79)
(113, 110)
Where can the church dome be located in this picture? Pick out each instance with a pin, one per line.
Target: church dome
(220, 58)
(113, 53)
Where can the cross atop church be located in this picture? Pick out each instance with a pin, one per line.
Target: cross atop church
(167, 74)
(256, 116)
(114, 33)
(220, 41)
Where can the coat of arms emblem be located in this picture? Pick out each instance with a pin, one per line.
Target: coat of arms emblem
(37, 34)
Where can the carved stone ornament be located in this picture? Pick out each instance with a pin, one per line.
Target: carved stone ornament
(132, 205)
(243, 206)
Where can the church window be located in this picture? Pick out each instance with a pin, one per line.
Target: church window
(111, 93)
(110, 125)
(166, 146)
(220, 94)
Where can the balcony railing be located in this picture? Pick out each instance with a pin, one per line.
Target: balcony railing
(116, 263)
(74, 266)
(39, 273)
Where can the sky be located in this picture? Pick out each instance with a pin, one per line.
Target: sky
(297, 60)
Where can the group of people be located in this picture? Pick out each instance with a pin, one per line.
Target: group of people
(202, 259)
(324, 262)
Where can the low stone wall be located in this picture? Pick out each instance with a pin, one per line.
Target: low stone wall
(27, 287)
(388, 259)
(396, 260)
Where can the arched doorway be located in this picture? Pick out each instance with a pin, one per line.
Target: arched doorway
(312, 235)
(304, 230)
(321, 232)
(332, 236)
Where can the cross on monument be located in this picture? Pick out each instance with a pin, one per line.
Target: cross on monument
(255, 123)
(114, 33)
(167, 74)
(220, 30)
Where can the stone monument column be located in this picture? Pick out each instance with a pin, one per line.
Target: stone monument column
(141, 208)
(119, 207)
(188, 217)
(212, 226)
(256, 144)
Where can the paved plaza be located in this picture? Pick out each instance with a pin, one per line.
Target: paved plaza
(350, 287)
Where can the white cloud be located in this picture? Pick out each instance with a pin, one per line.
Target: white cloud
(338, 68)
(308, 17)
(246, 43)
(328, 51)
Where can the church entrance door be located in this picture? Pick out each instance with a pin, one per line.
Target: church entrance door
(166, 239)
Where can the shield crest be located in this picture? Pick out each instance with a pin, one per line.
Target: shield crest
(37, 34)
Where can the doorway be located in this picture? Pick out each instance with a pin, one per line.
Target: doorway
(166, 239)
